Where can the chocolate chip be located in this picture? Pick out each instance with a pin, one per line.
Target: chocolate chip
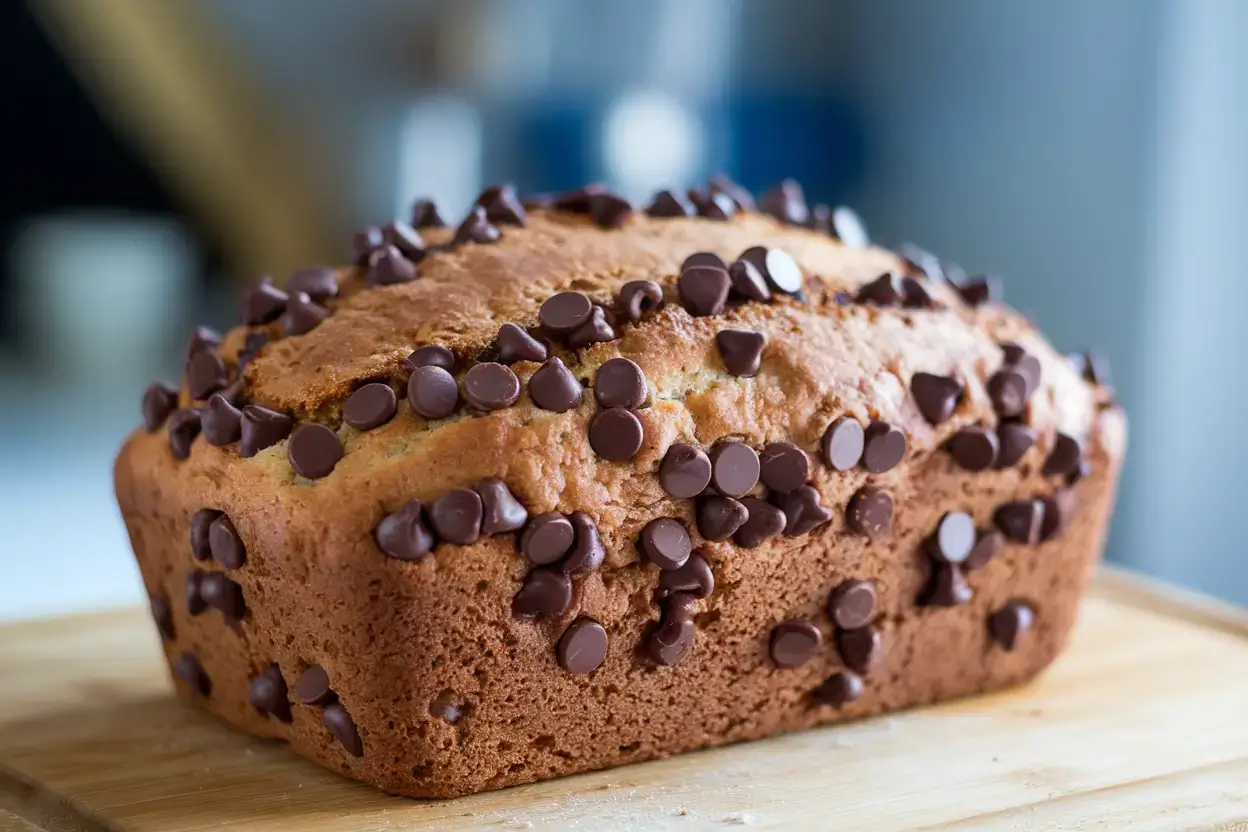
(987, 547)
(765, 521)
(802, 510)
(456, 516)
(980, 290)
(554, 388)
(1082, 471)
(616, 434)
(670, 204)
(860, 648)
(840, 689)
(371, 406)
(162, 614)
(388, 267)
(748, 282)
(852, 603)
(848, 227)
(594, 331)
(954, 538)
(502, 206)
(364, 242)
(914, 295)
(189, 670)
(342, 726)
(1015, 440)
(262, 303)
(704, 290)
(620, 383)
(884, 447)
(582, 647)
(608, 210)
(1008, 624)
(302, 315)
(1008, 391)
(224, 543)
(267, 694)
(577, 201)
(793, 643)
(1064, 458)
(1093, 366)
(546, 592)
(252, 344)
(1021, 520)
(712, 206)
(703, 258)
(425, 214)
(1028, 366)
(500, 510)
(720, 517)
(491, 386)
(685, 470)
(263, 428)
(820, 219)
(403, 535)
(777, 266)
(432, 392)
(783, 466)
(201, 523)
(1059, 510)
(202, 338)
(406, 239)
(431, 355)
(184, 426)
(741, 350)
(665, 543)
(317, 283)
(870, 512)
(547, 538)
(734, 469)
(221, 593)
(786, 202)
(741, 198)
(313, 451)
(514, 344)
(159, 400)
(587, 552)
(194, 601)
(694, 578)
(205, 374)
(947, 587)
(936, 396)
(842, 444)
(885, 290)
(312, 687)
(974, 449)
(562, 313)
(476, 228)
(221, 421)
(640, 297)
(672, 639)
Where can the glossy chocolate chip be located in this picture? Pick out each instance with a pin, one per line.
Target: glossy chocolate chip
(988, 545)
(456, 516)
(342, 726)
(954, 538)
(252, 344)
(594, 331)
(491, 386)
(870, 512)
(974, 448)
(184, 426)
(672, 639)
(608, 210)
(1059, 510)
(432, 392)
(476, 228)
(720, 517)
(1026, 365)
(1010, 623)
(665, 543)
(364, 242)
(313, 451)
(1021, 520)
(1008, 391)
(587, 551)
(685, 470)
(616, 434)
(565, 312)
(194, 601)
(403, 534)
(225, 544)
(159, 400)
(639, 298)
(189, 670)
(842, 444)
(777, 267)
(765, 521)
(582, 647)
(741, 350)
(714, 206)
(162, 613)
(547, 538)
(670, 204)
(222, 593)
(852, 603)
(848, 227)
(202, 338)
(205, 374)
(820, 219)
(425, 214)
(263, 428)
(312, 687)
(502, 206)
(885, 290)
(884, 446)
(554, 388)
(703, 258)
(980, 290)
(1064, 458)
(947, 587)
(860, 648)
(794, 642)
(546, 592)
(783, 466)
(740, 196)
(734, 469)
(201, 524)
(302, 315)
(262, 303)
(515, 344)
(268, 695)
(786, 202)
(802, 510)
(937, 396)
(431, 355)
(704, 290)
(317, 283)
(694, 578)
(1015, 440)
(748, 282)
(371, 406)
(500, 510)
(222, 422)
(406, 239)
(619, 382)
(840, 689)
(915, 294)
(388, 267)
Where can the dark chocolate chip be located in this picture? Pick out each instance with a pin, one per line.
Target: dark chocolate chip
(502, 206)
(977, 291)
(431, 355)
(224, 543)
(860, 648)
(222, 593)
(884, 447)
(616, 434)
(515, 344)
(840, 689)
(201, 523)
(577, 201)
(936, 396)
(562, 313)
(666, 543)
(205, 374)
(594, 331)
(954, 538)
(263, 428)
(777, 266)
(364, 242)
(432, 392)
(262, 303)
(302, 314)
(491, 386)
(317, 283)
(1063, 460)
(312, 687)
(852, 603)
(885, 290)
(476, 228)
(670, 204)
(162, 614)
(342, 726)
(1015, 440)
(553, 387)
(456, 516)
(947, 587)
(221, 421)
(694, 578)
(371, 406)
(1093, 366)
(159, 400)
(915, 295)
(802, 511)
(748, 282)
(582, 647)
(313, 451)
(608, 210)
(820, 219)
(252, 344)
(547, 538)
(712, 206)
(202, 338)
(1021, 520)
(974, 449)
(672, 639)
(783, 466)
(640, 297)
(720, 517)
(406, 239)
(741, 350)
(765, 521)
(704, 290)
(1082, 471)
(184, 426)
(194, 601)
(619, 382)
(425, 214)
(794, 642)
(870, 512)
(233, 394)
(500, 510)
(1059, 510)
(786, 202)
(842, 444)
(681, 605)
(740, 196)
(848, 227)
(734, 469)
(685, 471)
(587, 552)
(1008, 624)
(1008, 391)
(388, 267)
(987, 546)
(703, 258)
(268, 695)
(403, 535)
(1028, 366)
(546, 592)
(189, 670)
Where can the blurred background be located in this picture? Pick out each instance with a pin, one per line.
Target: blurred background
(156, 155)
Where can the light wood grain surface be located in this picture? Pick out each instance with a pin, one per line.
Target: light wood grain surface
(1142, 724)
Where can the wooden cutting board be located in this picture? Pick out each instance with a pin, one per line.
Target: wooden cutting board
(1143, 723)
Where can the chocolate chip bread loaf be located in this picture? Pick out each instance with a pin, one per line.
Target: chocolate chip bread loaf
(573, 485)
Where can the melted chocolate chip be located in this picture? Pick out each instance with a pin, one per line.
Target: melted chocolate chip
(476, 228)
(1063, 460)
(403, 535)
(987, 547)
(885, 290)
(852, 603)
(189, 670)
(263, 428)
(870, 512)
(793, 643)
(222, 593)
(741, 350)
(1008, 391)
(1059, 510)
(313, 451)
(342, 726)
(860, 648)
(201, 523)
(221, 421)
(194, 601)
(842, 444)
(947, 587)
(594, 331)
(162, 614)
(720, 517)
(302, 314)
(262, 303)
(312, 687)
(388, 267)
(672, 640)
(980, 290)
